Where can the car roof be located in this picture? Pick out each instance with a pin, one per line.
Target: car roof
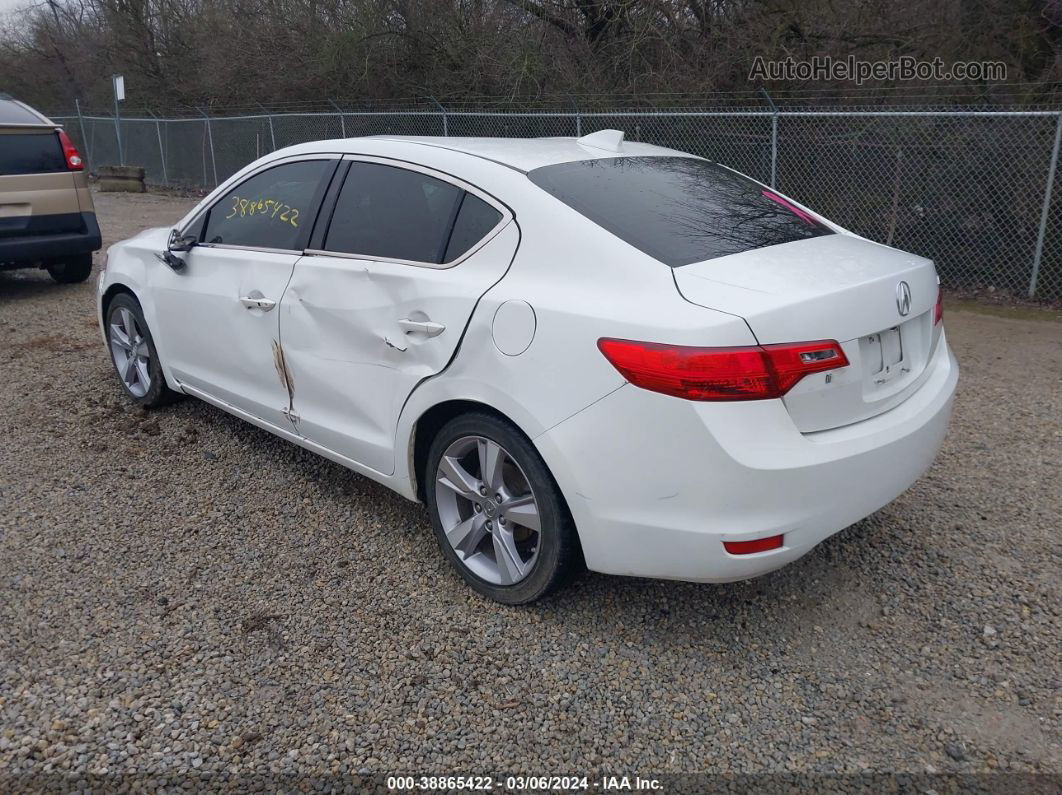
(15, 113)
(526, 154)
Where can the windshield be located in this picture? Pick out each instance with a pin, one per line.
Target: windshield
(677, 209)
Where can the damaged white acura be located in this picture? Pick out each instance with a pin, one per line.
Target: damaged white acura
(570, 349)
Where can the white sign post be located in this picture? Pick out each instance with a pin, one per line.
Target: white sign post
(118, 81)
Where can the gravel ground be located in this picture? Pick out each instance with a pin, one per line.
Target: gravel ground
(183, 592)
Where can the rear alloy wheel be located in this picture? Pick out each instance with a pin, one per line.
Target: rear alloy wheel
(134, 355)
(71, 271)
(497, 513)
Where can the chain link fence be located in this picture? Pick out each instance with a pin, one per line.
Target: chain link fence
(974, 190)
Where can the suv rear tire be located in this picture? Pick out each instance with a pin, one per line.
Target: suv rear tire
(71, 271)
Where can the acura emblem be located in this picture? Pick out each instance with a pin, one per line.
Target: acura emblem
(903, 298)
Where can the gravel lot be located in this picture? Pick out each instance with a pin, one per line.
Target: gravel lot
(183, 592)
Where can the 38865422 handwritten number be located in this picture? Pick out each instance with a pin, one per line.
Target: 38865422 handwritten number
(278, 210)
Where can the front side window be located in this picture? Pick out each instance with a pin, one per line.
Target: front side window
(679, 210)
(273, 209)
(387, 212)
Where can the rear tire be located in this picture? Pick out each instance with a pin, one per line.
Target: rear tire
(497, 512)
(71, 271)
(133, 353)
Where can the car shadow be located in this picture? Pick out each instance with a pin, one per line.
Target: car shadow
(822, 601)
(823, 586)
(31, 282)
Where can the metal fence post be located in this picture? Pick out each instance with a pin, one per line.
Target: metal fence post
(84, 140)
(342, 120)
(894, 209)
(118, 131)
(210, 137)
(774, 138)
(578, 118)
(269, 116)
(162, 150)
(442, 110)
(1048, 191)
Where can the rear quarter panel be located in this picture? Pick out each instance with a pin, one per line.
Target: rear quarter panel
(583, 284)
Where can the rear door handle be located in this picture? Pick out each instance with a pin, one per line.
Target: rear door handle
(251, 302)
(426, 327)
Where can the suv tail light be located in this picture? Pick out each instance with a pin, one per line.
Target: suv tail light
(73, 159)
(755, 372)
(938, 310)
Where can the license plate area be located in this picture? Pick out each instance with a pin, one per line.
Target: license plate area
(884, 356)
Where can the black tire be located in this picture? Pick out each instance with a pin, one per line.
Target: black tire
(71, 271)
(157, 394)
(558, 553)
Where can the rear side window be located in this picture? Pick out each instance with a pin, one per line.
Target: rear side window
(273, 209)
(387, 212)
(393, 213)
(31, 153)
(474, 220)
(677, 209)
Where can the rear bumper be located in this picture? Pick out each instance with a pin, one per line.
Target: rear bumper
(51, 238)
(656, 484)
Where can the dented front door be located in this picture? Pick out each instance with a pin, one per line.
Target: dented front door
(219, 321)
(360, 334)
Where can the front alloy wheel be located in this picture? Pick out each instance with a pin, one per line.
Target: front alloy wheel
(134, 354)
(130, 352)
(497, 512)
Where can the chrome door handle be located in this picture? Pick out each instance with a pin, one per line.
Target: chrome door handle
(426, 327)
(265, 304)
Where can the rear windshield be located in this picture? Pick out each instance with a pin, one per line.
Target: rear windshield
(677, 209)
(30, 153)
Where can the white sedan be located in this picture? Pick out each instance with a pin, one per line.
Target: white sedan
(570, 349)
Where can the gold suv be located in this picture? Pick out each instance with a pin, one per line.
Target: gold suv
(46, 215)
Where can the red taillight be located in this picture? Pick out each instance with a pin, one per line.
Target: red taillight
(757, 545)
(938, 310)
(755, 372)
(73, 159)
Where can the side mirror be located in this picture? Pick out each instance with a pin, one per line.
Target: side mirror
(179, 243)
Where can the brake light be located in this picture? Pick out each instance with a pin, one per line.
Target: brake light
(938, 310)
(73, 159)
(756, 545)
(754, 372)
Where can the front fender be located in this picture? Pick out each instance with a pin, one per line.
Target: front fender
(128, 265)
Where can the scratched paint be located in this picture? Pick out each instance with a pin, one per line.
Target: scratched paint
(284, 373)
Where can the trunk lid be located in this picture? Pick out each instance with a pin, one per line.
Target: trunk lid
(837, 287)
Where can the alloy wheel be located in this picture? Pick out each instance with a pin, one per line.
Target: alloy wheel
(130, 351)
(488, 510)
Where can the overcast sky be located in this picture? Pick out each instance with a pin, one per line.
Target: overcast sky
(7, 5)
